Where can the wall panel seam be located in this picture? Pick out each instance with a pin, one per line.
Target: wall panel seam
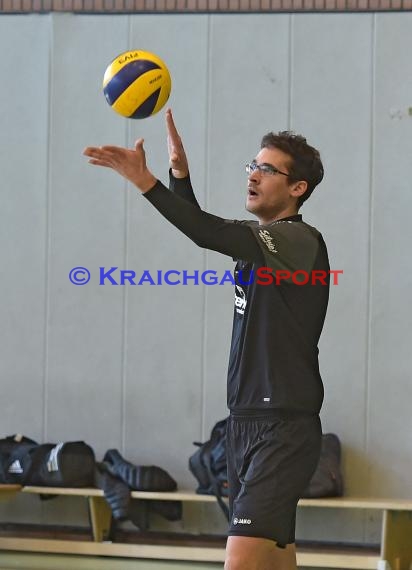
(127, 197)
(290, 70)
(48, 231)
(370, 242)
(203, 368)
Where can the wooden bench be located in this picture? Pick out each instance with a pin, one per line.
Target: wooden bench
(395, 540)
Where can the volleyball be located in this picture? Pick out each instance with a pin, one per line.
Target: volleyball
(137, 84)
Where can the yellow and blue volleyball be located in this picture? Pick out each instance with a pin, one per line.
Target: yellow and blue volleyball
(137, 84)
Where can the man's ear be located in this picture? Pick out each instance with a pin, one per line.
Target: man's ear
(298, 188)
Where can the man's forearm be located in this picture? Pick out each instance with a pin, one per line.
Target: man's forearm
(183, 188)
(206, 230)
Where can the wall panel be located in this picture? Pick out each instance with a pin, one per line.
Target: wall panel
(87, 213)
(330, 105)
(23, 223)
(163, 407)
(389, 432)
(247, 97)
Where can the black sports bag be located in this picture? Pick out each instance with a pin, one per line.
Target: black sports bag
(12, 449)
(25, 462)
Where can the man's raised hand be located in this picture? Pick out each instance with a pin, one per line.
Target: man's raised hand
(129, 163)
(177, 156)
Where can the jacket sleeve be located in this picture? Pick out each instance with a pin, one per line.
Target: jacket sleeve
(183, 188)
(205, 230)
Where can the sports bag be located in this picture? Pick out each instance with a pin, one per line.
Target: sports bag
(208, 465)
(12, 449)
(65, 464)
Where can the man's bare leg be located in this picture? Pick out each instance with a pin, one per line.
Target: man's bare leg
(248, 553)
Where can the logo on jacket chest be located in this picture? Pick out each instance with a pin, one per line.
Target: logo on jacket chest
(243, 278)
(240, 300)
(267, 239)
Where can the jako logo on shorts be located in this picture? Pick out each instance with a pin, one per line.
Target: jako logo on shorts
(242, 521)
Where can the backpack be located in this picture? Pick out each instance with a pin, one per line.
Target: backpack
(208, 465)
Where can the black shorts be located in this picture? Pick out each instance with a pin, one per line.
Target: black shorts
(271, 458)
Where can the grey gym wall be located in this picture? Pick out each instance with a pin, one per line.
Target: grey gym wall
(143, 368)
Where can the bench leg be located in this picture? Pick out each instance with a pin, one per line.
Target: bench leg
(100, 517)
(397, 539)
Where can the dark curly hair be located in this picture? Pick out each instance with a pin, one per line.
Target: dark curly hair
(306, 163)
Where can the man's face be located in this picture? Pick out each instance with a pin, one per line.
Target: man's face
(269, 195)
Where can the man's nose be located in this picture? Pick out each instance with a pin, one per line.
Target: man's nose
(254, 176)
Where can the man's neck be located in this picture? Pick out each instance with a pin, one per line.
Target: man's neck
(286, 213)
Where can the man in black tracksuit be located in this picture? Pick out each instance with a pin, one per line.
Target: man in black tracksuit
(275, 390)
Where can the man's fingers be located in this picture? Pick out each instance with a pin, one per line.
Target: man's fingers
(99, 156)
(139, 144)
(98, 152)
(88, 151)
(110, 148)
(171, 128)
(170, 123)
(128, 162)
(102, 149)
(98, 162)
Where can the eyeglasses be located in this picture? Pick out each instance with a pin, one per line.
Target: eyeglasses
(264, 169)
